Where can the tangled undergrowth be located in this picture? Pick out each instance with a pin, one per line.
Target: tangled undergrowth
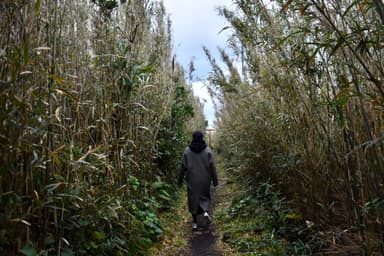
(260, 222)
(175, 232)
(300, 123)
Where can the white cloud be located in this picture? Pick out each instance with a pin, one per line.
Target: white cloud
(196, 24)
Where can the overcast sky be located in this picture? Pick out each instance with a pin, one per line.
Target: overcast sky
(196, 23)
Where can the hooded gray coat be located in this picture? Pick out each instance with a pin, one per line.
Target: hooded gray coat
(200, 171)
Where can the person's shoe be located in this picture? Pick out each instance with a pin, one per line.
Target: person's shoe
(207, 218)
(194, 226)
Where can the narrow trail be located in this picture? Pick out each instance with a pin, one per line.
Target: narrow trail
(180, 240)
(204, 245)
(203, 241)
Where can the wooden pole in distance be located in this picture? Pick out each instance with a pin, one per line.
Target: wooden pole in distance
(210, 130)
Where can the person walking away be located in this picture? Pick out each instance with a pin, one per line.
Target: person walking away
(198, 168)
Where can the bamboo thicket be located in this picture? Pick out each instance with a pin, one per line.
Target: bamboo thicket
(93, 112)
(306, 111)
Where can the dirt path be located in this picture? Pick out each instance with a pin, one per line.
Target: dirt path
(204, 245)
(180, 240)
(202, 242)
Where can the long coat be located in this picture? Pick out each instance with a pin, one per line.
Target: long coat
(200, 172)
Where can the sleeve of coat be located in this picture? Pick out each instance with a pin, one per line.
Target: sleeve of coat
(212, 167)
(182, 170)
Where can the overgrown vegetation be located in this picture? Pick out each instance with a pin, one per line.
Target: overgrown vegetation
(92, 122)
(304, 113)
(94, 110)
(176, 230)
(260, 221)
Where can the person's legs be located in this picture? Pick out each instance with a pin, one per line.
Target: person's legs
(194, 218)
(194, 221)
(207, 218)
(200, 210)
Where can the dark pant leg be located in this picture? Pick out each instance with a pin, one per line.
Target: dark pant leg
(194, 217)
(200, 210)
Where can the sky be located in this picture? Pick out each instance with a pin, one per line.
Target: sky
(196, 23)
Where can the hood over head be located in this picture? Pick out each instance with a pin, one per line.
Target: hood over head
(198, 144)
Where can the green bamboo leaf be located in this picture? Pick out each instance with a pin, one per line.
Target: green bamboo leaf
(224, 28)
(285, 38)
(52, 187)
(98, 235)
(37, 6)
(55, 158)
(67, 252)
(27, 250)
(337, 46)
(26, 51)
(350, 7)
